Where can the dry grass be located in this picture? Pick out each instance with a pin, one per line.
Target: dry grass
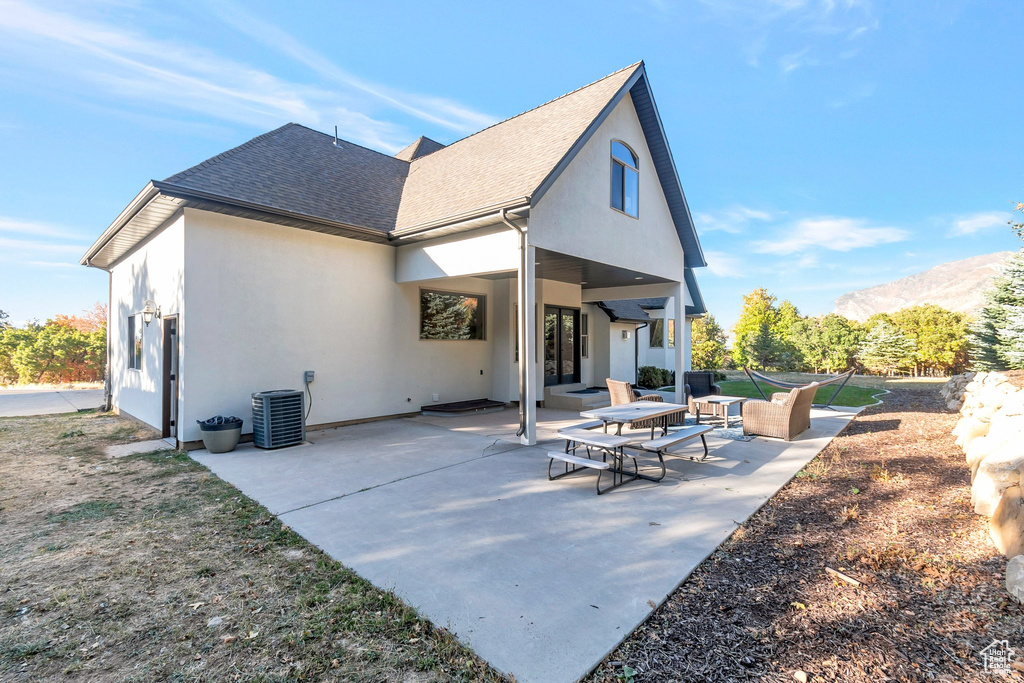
(150, 568)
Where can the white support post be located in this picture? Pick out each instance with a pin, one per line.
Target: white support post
(682, 339)
(527, 341)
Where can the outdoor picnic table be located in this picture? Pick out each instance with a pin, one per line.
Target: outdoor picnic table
(636, 411)
(586, 437)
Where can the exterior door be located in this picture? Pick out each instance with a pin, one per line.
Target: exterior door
(561, 345)
(170, 377)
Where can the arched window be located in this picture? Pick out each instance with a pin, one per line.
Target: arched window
(625, 180)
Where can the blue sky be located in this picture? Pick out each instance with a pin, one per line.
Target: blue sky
(823, 146)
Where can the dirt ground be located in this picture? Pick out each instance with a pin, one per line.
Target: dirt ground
(149, 568)
(886, 504)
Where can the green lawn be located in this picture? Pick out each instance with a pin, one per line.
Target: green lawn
(850, 396)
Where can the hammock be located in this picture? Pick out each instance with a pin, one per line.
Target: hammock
(842, 379)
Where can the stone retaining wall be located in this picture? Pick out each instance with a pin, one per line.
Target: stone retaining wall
(991, 433)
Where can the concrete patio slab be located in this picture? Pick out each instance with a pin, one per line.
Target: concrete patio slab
(25, 402)
(541, 578)
(342, 461)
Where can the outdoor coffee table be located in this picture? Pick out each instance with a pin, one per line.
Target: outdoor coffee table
(717, 405)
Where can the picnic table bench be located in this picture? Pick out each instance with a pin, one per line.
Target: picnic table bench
(583, 436)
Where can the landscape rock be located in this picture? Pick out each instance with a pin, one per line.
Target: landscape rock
(1006, 527)
(967, 430)
(1015, 577)
(997, 471)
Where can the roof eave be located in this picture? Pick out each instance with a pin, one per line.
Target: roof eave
(146, 195)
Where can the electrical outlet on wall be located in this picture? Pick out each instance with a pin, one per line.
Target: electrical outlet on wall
(309, 376)
(435, 397)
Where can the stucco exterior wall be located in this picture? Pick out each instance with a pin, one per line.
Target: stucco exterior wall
(154, 270)
(575, 215)
(489, 250)
(621, 352)
(267, 303)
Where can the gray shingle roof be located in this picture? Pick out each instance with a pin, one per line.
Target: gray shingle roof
(507, 161)
(300, 170)
(422, 147)
(624, 310)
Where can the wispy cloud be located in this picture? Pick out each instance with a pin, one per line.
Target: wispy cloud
(859, 94)
(795, 60)
(53, 264)
(794, 33)
(36, 246)
(437, 110)
(35, 228)
(99, 60)
(976, 222)
(723, 264)
(732, 220)
(833, 233)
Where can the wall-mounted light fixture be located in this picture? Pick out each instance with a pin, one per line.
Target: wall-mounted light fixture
(150, 311)
(625, 335)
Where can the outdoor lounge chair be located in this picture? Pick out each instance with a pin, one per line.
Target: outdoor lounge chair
(783, 417)
(622, 392)
(700, 383)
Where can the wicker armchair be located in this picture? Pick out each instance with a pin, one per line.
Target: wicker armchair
(622, 392)
(783, 417)
(700, 383)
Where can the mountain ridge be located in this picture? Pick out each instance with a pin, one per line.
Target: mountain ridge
(955, 285)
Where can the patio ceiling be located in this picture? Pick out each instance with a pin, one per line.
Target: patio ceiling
(574, 270)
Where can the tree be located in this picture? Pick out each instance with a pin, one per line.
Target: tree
(995, 336)
(707, 343)
(886, 349)
(759, 313)
(5, 320)
(827, 343)
(1019, 226)
(764, 350)
(939, 335)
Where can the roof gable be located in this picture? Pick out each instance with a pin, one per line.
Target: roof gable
(421, 147)
(507, 161)
(300, 170)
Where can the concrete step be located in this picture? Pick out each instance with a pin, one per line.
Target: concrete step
(576, 402)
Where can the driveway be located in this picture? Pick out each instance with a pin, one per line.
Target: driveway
(22, 402)
(541, 578)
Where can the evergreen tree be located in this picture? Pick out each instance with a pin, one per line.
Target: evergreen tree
(707, 343)
(763, 350)
(995, 336)
(886, 349)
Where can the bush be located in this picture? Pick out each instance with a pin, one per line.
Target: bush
(651, 377)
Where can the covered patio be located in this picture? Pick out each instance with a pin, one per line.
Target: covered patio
(541, 578)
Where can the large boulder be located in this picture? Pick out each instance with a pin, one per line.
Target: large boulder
(1015, 577)
(967, 430)
(980, 449)
(997, 471)
(1006, 527)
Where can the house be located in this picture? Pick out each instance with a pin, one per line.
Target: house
(399, 279)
